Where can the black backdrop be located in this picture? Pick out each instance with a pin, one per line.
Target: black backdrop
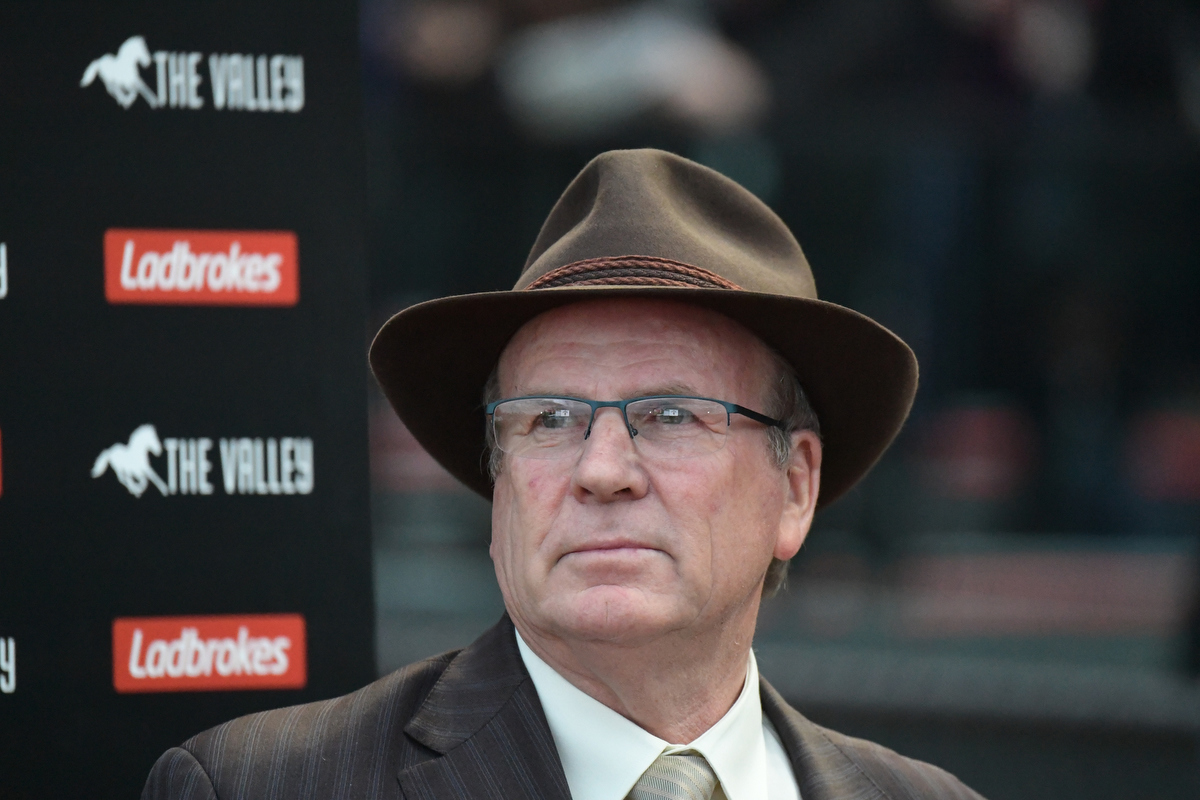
(78, 374)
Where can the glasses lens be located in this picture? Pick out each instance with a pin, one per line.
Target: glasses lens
(678, 427)
(540, 427)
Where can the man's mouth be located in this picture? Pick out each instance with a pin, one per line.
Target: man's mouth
(614, 546)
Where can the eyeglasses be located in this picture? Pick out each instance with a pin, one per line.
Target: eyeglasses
(663, 426)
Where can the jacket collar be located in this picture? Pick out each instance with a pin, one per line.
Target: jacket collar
(823, 769)
(484, 717)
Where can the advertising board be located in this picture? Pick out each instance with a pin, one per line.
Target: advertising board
(184, 530)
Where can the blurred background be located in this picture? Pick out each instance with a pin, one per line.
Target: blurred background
(1013, 186)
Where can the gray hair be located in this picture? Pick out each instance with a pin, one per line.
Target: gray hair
(785, 401)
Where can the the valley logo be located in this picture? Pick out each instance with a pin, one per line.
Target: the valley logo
(248, 466)
(239, 82)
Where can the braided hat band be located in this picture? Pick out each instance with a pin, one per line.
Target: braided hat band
(632, 271)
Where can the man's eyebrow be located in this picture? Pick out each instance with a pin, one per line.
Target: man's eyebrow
(670, 388)
(653, 391)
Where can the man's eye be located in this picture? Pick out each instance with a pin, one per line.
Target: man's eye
(554, 418)
(673, 416)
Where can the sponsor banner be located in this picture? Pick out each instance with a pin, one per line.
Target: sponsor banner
(235, 81)
(207, 654)
(201, 268)
(280, 466)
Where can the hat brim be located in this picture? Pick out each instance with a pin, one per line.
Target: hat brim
(432, 361)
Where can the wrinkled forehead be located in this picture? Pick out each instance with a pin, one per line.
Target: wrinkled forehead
(651, 341)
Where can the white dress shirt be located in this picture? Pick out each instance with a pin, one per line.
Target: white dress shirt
(603, 754)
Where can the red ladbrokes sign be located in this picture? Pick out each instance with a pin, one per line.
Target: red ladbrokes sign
(217, 653)
(201, 268)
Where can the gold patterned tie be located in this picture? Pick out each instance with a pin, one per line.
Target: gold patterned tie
(683, 776)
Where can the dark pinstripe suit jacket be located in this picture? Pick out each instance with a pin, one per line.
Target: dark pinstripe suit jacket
(468, 724)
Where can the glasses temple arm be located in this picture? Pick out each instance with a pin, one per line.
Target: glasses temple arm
(757, 417)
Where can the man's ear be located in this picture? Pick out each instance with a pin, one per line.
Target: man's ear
(804, 484)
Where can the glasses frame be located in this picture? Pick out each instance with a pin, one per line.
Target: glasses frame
(596, 405)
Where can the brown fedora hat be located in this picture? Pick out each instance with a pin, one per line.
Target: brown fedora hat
(645, 223)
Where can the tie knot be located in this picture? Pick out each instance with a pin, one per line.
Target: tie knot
(683, 776)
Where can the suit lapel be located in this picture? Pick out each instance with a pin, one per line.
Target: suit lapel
(484, 718)
(822, 769)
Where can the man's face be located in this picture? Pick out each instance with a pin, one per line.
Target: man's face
(614, 546)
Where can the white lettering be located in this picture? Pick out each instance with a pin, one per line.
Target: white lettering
(8, 665)
(271, 266)
(264, 90)
(135, 654)
(128, 282)
(218, 267)
(225, 651)
(229, 458)
(245, 482)
(243, 654)
(205, 466)
(177, 79)
(304, 466)
(147, 266)
(273, 467)
(171, 446)
(240, 81)
(261, 466)
(218, 71)
(197, 279)
(160, 63)
(192, 657)
(286, 450)
(293, 78)
(187, 466)
(197, 655)
(181, 270)
(260, 471)
(282, 644)
(194, 100)
(175, 658)
(277, 103)
(235, 277)
(237, 82)
(156, 659)
(249, 102)
(254, 263)
(164, 270)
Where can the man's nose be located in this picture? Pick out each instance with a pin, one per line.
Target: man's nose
(609, 468)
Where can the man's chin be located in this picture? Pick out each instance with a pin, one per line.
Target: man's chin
(617, 615)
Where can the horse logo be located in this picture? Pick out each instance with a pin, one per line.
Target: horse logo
(120, 73)
(131, 462)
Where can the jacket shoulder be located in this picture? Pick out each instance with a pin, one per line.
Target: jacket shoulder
(898, 777)
(348, 746)
(830, 765)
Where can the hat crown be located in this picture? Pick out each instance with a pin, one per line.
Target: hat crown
(650, 203)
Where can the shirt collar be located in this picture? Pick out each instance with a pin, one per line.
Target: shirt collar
(603, 753)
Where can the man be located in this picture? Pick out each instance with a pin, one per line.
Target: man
(665, 406)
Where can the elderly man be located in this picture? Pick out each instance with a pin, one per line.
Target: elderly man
(656, 410)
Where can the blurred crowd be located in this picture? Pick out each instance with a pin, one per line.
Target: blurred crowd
(1011, 185)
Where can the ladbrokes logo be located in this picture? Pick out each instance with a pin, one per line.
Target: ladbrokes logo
(189, 654)
(201, 268)
(248, 466)
(239, 82)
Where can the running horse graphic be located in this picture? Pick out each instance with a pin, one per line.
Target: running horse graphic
(120, 73)
(131, 462)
